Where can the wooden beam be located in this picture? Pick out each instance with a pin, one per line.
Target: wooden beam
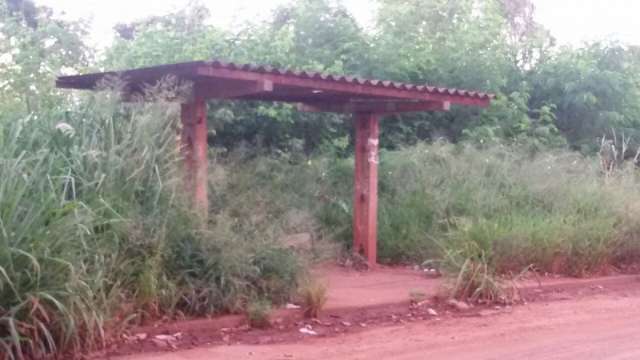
(194, 149)
(208, 90)
(148, 75)
(348, 88)
(201, 70)
(378, 107)
(232, 89)
(365, 194)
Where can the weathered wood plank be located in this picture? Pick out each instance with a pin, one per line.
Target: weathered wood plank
(233, 89)
(378, 107)
(347, 88)
(194, 149)
(365, 196)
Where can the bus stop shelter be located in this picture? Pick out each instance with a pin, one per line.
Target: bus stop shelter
(368, 100)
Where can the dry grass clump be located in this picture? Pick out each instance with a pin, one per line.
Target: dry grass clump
(313, 294)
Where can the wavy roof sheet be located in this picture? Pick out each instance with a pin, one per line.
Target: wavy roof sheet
(288, 85)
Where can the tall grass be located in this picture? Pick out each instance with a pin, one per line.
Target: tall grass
(94, 233)
(500, 207)
(478, 213)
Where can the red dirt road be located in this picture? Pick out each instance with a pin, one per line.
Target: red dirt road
(604, 324)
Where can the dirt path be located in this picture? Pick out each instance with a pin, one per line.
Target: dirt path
(604, 325)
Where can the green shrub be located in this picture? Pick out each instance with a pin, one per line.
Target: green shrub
(94, 233)
(258, 313)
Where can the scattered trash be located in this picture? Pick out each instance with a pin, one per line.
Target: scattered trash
(432, 312)
(292, 306)
(431, 268)
(432, 273)
(307, 330)
(135, 337)
(345, 323)
(160, 343)
(320, 322)
(419, 304)
(164, 341)
(458, 305)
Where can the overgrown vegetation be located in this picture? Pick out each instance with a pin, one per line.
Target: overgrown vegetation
(549, 95)
(476, 213)
(95, 235)
(498, 205)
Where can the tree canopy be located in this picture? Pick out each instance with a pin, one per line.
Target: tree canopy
(548, 95)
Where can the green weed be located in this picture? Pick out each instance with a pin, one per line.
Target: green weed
(95, 234)
(258, 312)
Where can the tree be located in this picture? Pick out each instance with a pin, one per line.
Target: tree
(176, 37)
(447, 43)
(529, 41)
(594, 89)
(34, 48)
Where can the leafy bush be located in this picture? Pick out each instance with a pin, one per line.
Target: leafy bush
(258, 312)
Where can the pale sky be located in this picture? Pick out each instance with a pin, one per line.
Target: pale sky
(570, 21)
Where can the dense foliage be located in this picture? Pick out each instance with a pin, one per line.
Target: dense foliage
(549, 95)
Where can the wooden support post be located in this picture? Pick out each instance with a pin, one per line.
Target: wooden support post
(194, 149)
(365, 196)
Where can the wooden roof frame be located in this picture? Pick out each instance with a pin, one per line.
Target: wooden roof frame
(367, 99)
(220, 80)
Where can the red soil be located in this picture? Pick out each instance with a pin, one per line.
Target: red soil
(368, 316)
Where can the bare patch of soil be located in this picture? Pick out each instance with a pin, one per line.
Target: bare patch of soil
(359, 303)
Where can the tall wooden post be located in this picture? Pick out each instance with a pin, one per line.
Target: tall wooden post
(194, 151)
(365, 195)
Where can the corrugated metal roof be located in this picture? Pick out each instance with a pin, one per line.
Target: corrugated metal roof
(356, 87)
(265, 69)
